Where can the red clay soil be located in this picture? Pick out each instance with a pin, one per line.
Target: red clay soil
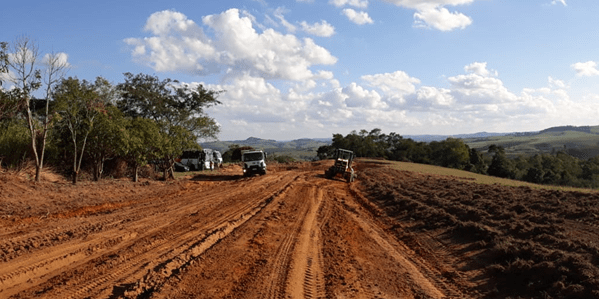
(294, 234)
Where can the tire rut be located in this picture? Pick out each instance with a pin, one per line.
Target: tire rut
(122, 260)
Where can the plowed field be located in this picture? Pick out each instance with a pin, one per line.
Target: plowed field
(294, 234)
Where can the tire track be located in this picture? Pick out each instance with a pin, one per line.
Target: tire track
(140, 253)
(306, 259)
(280, 265)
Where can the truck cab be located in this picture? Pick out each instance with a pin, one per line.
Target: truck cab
(253, 162)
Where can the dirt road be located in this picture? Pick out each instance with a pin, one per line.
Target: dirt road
(288, 234)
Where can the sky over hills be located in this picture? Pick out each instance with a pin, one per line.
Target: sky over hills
(309, 68)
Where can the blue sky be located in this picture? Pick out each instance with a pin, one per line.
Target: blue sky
(309, 68)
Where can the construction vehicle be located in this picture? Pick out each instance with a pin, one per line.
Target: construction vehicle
(253, 162)
(198, 160)
(342, 166)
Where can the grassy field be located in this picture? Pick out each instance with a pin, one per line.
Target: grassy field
(468, 176)
(580, 144)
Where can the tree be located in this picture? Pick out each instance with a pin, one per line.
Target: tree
(325, 152)
(452, 152)
(176, 109)
(55, 70)
(26, 78)
(107, 139)
(142, 137)
(500, 166)
(79, 106)
(477, 162)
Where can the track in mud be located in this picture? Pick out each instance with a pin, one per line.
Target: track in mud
(289, 234)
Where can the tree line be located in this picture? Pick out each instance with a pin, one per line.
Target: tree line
(557, 168)
(77, 123)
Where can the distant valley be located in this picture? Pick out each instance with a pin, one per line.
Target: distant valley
(581, 142)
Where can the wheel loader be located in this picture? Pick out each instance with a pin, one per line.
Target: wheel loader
(342, 166)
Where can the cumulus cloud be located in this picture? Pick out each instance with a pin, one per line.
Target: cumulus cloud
(480, 68)
(179, 44)
(357, 96)
(398, 82)
(434, 96)
(60, 58)
(322, 29)
(441, 18)
(359, 18)
(587, 69)
(354, 3)
(470, 101)
(433, 14)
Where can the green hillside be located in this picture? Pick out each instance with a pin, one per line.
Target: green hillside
(581, 142)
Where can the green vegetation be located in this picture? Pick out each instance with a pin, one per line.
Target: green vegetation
(81, 125)
(557, 169)
(580, 142)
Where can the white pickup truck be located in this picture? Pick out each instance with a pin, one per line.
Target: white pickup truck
(253, 162)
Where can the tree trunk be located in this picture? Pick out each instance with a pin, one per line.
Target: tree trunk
(33, 133)
(75, 177)
(135, 173)
(95, 170)
(38, 170)
(171, 172)
(98, 169)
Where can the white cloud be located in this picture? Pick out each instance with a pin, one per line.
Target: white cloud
(357, 96)
(279, 15)
(322, 29)
(397, 82)
(435, 96)
(355, 3)
(418, 3)
(180, 44)
(440, 18)
(359, 18)
(433, 14)
(559, 1)
(60, 58)
(588, 68)
(480, 68)
(556, 83)
(477, 89)
(473, 101)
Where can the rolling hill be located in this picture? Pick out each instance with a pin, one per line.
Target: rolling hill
(581, 142)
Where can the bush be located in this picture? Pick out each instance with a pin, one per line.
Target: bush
(15, 143)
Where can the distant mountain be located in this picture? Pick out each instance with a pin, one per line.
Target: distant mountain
(581, 142)
(572, 138)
